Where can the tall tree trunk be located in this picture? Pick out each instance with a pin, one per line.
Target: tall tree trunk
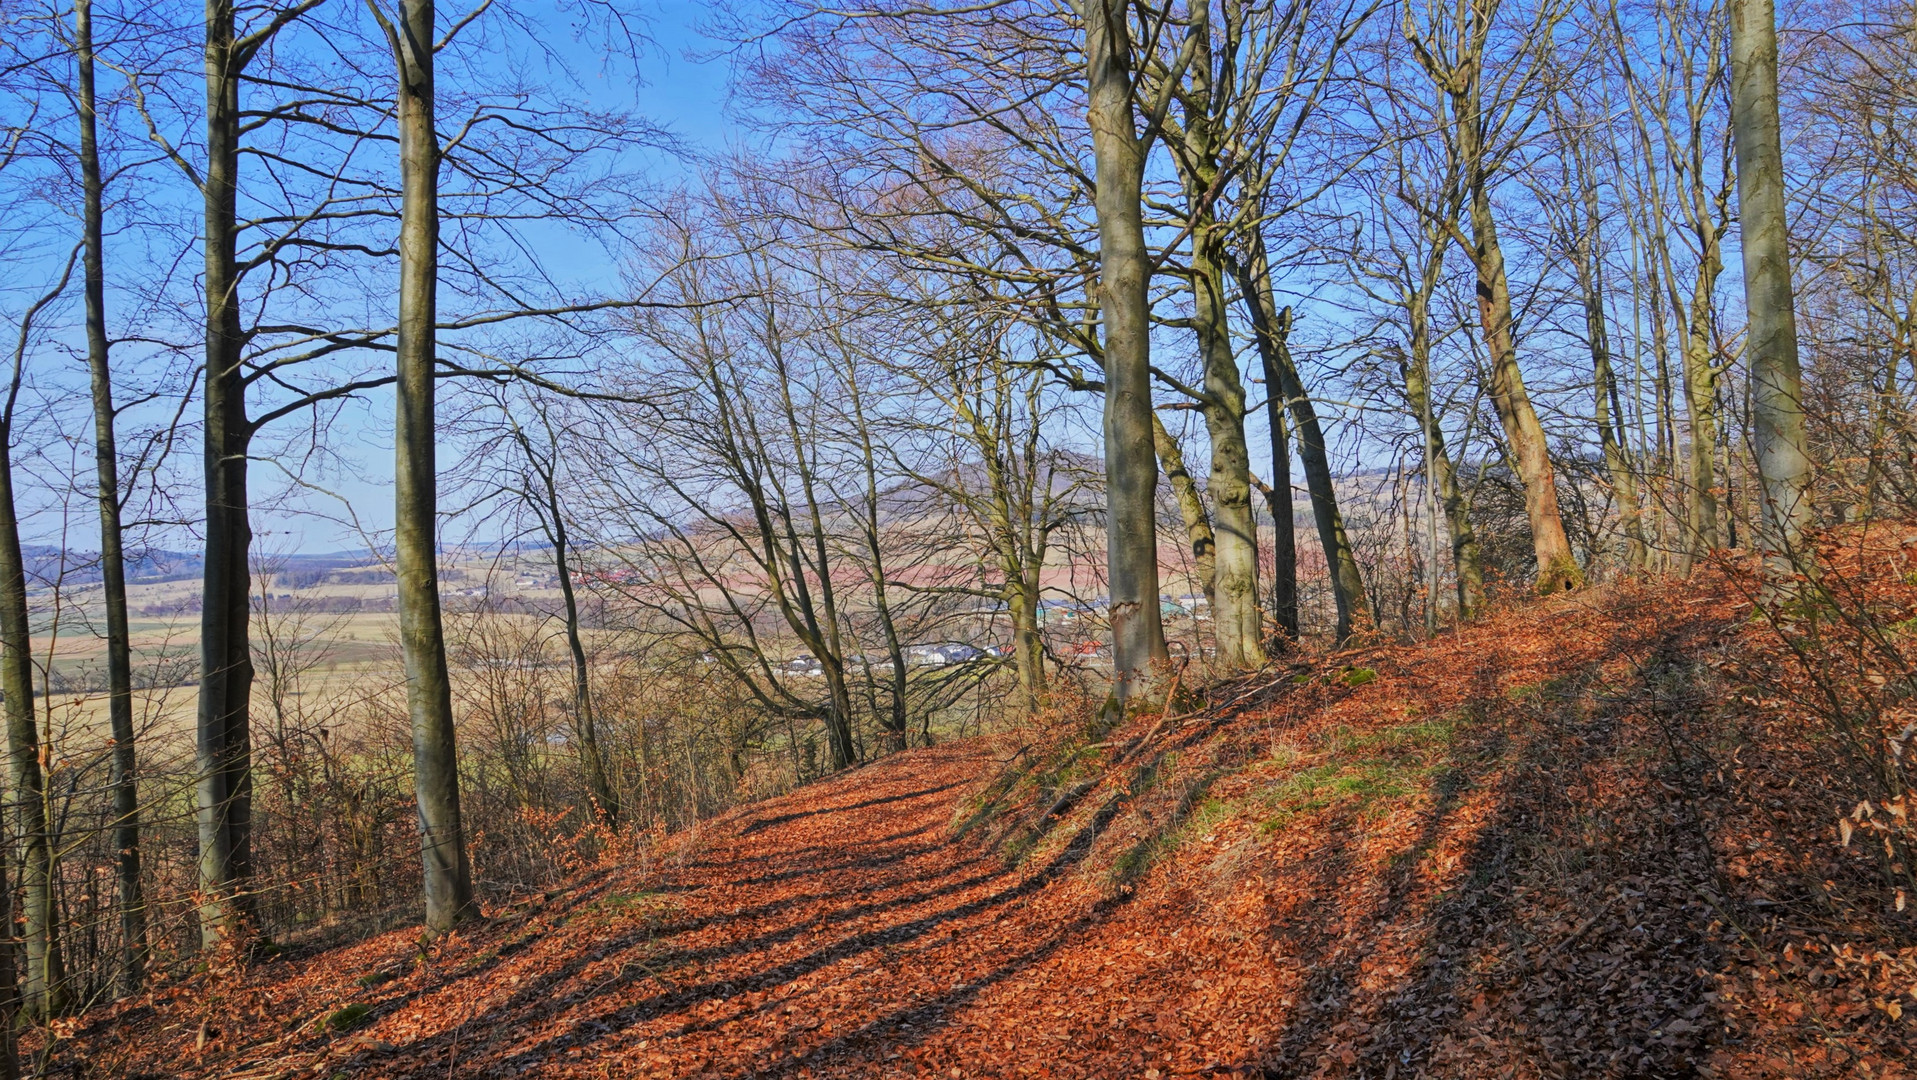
(1237, 623)
(1271, 329)
(224, 744)
(1701, 410)
(1016, 507)
(1124, 263)
(1191, 507)
(1608, 411)
(1467, 563)
(894, 719)
(9, 977)
(1028, 638)
(1557, 566)
(605, 806)
(1777, 404)
(429, 700)
(45, 992)
(106, 459)
(1347, 582)
(827, 640)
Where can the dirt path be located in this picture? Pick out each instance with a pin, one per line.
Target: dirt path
(837, 932)
(840, 931)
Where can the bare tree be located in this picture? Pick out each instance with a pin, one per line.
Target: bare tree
(1120, 148)
(538, 489)
(106, 457)
(1489, 112)
(44, 993)
(1271, 327)
(429, 691)
(1677, 124)
(1777, 382)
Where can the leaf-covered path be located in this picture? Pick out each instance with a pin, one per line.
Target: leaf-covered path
(839, 931)
(1532, 849)
(843, 932)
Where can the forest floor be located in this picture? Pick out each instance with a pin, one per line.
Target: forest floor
(1579, 839)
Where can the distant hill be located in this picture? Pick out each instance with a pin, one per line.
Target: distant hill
(47, 563)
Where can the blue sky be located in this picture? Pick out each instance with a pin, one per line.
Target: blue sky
(685, 91)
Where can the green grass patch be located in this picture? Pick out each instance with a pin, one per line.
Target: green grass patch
(621, 903)
(347, 1018)
(1195, 812)
(1369, 770)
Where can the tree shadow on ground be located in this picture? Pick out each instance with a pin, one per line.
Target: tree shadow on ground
(1488, 990)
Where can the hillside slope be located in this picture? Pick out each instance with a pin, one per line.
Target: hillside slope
(1550, 845)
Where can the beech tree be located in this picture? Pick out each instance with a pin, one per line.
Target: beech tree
(429, 691)
(1120, 145)
(44, 990)
(1777, 384)
(1488, 112)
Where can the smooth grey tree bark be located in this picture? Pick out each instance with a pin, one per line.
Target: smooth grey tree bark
(429, 695)
(1237, 622)
(1777, 404)
(1124, 268)
(223, 736)
(106, 460)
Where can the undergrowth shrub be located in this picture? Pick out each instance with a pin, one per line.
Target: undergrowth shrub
(1838, 659)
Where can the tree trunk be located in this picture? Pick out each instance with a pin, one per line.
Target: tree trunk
(1284, 540)
(448, 877)
(1131, 472)
(224, 743)
(45, 990)
(106, 459)
(826, 639)
(1701, 410)
(605, 807)
(1608, 412)
(1271, 329)
(9, 978)
(1028, 641)
(894, 720)
(1237, 623)
(1530, 452)
(1347, 582)
(1191, 506)
(1466, 562)
(1777, 405)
